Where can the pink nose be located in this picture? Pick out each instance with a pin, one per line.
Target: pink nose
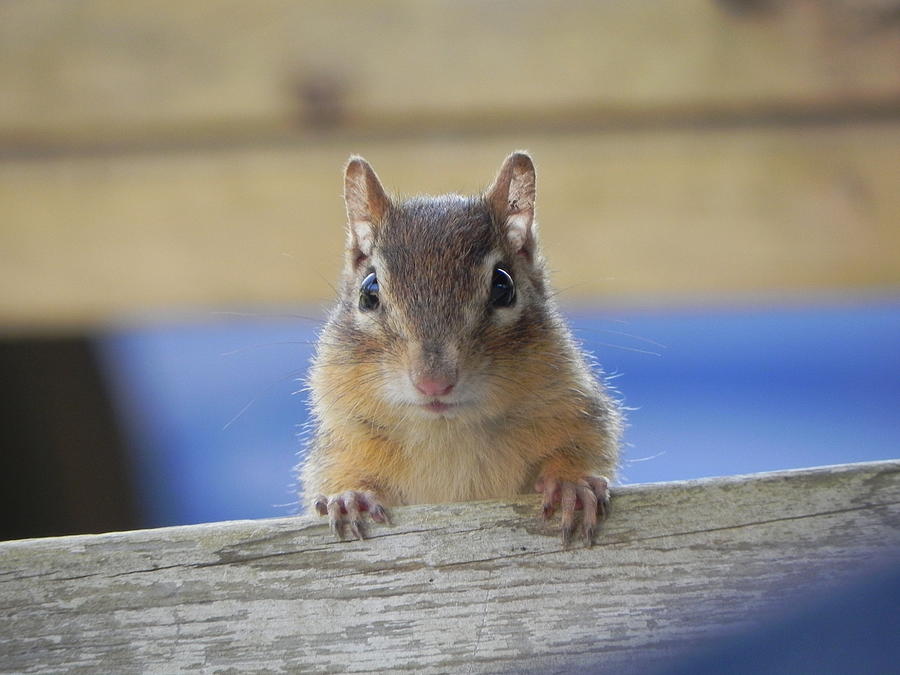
(434, 386)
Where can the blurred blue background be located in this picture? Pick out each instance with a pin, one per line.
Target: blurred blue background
(214, 408)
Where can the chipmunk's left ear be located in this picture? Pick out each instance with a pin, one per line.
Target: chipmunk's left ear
(511, 198)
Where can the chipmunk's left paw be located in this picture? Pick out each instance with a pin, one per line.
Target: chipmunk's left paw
(346, 508)
(590, 494)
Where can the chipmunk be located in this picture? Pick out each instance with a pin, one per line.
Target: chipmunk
(445, 372)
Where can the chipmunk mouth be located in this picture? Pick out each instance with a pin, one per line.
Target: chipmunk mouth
(436, 406)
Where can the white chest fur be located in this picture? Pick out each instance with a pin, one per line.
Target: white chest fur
(450, 462)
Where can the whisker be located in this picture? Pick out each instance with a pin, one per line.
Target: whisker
(327, 282)
(579, 329)
(241, 350)
(268, 315)
(645, 459)
(629, 349)
(253, 400)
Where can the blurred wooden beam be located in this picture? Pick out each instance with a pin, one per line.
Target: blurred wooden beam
(94, 71)
(85, 239)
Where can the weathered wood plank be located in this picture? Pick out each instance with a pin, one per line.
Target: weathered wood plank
(94, 70)
(476, 587)
(90, 239)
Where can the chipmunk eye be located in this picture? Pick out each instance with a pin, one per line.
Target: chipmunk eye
(368, 293)
(503, 290)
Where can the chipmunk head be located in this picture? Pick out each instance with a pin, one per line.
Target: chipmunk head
(442, 293)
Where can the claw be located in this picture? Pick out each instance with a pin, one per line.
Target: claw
(603, 507)
(550, 488)
(351, 506)
(567, 501)
(589, 511)
(335, 521)
(601, 488)
(379, 515)
(588, 534)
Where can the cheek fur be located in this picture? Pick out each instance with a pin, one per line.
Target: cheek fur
(398, 389)
(504, 317)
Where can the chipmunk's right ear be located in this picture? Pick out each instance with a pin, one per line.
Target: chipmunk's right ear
(367, 204)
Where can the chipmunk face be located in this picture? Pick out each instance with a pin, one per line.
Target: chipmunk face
(439, 290)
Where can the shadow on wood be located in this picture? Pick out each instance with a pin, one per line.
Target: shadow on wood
(474, 586)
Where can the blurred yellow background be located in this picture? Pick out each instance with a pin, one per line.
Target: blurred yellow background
(187, 155)
(699, 162)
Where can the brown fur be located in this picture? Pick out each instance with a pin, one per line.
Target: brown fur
(539, 410)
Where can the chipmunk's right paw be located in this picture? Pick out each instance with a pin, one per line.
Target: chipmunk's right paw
(346, 508)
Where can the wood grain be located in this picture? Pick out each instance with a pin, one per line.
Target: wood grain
(94, 71)
(479, 587)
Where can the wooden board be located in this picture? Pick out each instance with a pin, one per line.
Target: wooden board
(87, 239)
(480, 587)
(99, 71)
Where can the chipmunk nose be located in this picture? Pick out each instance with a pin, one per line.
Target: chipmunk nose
(434, 385)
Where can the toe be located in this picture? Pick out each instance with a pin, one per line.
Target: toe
(352, 506)
(600, 487)
(589, 512)
(550, 488)
(335, 519)
(321, 505)
(379, 514)
(369, 502)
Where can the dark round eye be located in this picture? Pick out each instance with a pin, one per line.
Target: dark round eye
(503, 290)
(368, 293)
